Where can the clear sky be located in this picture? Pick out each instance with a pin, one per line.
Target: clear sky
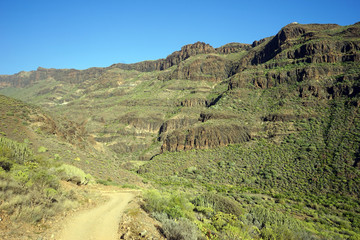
(85, 33)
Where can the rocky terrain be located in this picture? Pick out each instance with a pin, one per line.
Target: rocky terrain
(278, 116)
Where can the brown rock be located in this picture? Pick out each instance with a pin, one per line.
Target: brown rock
(174, 124)
(233, 48)
(205, 136)
(212, 68)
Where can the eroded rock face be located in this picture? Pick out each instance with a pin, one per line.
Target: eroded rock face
(212, 68)
(174, 124)
(315, 46)
(150, 124)
(286, 38)
(193, 102)
(204, 137)
(186, 52)
(272, 78)
(204, 117)
(233, 48)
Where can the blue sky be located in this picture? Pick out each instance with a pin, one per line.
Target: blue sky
(83, 34)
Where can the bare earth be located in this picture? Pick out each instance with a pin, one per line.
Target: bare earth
(99, 223)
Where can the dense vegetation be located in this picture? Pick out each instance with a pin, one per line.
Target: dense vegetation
(306, 186)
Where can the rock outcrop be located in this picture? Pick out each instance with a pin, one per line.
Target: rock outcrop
(171, 60)
(174, 124)
(233, 48)
(286, 38)
(204, 117)
(193, 102)
(211, 68)
(263, 78)
(186, 52)
(317, 44)
(203, 137)
(149, 124)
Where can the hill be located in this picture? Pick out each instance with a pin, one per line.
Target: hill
(274, 125)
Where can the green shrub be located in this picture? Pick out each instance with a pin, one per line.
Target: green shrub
(276, 225)
(181, 229)
(219, 203)
(230, 232)
(154, 201)
(29, 185)
(191, 170)
(42, 149)
(74, 174)
(106, 182)
(15, 151)
(220, 220)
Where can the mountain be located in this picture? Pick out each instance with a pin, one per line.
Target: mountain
(276, 120)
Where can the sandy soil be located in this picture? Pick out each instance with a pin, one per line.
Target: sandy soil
(99, 223)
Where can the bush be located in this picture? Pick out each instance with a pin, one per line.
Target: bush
(154, 201)
(219, 203)
(182, 229)
(176, 206)
(74, 174)
(222, 220)
(42, 149)
(276, 225)
(29, 185)
(232, 232)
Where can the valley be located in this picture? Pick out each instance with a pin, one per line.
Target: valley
(244, 141)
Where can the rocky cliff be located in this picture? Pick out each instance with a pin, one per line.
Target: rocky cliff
(204, 137)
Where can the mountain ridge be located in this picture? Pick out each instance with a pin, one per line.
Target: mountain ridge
(303, 55)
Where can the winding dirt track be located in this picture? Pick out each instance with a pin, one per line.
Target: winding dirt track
(99, 223)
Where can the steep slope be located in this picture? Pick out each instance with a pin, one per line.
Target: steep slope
(58, 138)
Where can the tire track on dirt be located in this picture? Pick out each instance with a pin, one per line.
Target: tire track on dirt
(99, 223)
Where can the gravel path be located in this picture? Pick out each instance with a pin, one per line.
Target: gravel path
(99, 223)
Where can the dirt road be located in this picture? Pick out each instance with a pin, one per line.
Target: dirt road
(99, 223)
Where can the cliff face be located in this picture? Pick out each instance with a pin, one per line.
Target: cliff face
(233, 48)
(171, 60)
(300, 53)
(212, 68)
(204, 137)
